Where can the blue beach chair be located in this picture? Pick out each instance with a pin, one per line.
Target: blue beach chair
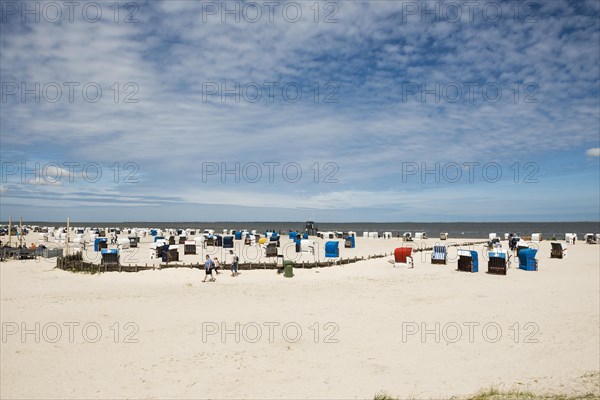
(439, 255)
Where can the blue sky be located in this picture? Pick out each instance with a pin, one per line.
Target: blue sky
(408, 111)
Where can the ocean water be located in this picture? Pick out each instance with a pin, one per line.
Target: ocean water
(433, 229)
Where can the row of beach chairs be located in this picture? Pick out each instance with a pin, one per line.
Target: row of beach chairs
(17, 253)
(7, 252)
(468, 260)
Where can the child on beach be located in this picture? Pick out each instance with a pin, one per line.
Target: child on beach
(217, 265)
(208, 267)
(234, 263)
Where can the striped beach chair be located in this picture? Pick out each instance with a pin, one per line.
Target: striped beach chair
(110, 258)
(439, 255)
(497, 262)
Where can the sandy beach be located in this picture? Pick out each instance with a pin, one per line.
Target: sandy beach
(350, 331)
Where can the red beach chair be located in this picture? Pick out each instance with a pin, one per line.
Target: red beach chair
(402, 255)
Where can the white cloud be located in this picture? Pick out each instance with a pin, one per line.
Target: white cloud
(593, 152)
(43, 182)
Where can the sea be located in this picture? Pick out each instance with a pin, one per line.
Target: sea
(432, 229)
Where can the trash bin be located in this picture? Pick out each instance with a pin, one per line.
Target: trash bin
(288, 268)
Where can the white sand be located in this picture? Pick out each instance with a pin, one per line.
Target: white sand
(368, 305)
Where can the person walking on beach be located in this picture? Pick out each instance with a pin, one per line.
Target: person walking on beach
(208, 268)
(234, 263)
(217, 265)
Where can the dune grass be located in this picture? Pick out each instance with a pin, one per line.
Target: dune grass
(495, 394)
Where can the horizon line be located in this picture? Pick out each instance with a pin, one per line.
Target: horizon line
(304, 221)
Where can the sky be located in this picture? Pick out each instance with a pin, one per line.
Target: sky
(336, 111)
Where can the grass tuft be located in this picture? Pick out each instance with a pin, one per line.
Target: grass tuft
(383, 396)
